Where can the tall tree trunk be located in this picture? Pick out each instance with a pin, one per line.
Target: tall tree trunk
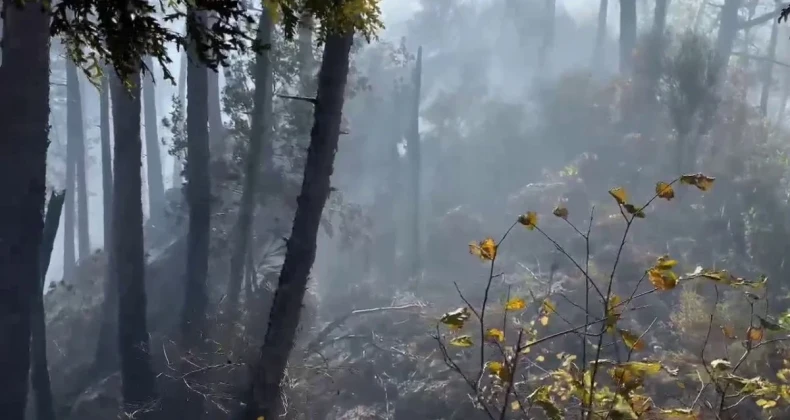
(627, 35)
(263, 394)
(83, 229)
(768, 66)
(260, 152)
(305, 53)
(547, 43)
(45, 408)
(182, 97)
(415, 159)
(139, 385)
(156, 183)
(600, 35)
(69, 240)
(725, 39)
(217, 129)
(106, 358)
(24, 125)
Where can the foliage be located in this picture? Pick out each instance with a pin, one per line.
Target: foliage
(510, 379)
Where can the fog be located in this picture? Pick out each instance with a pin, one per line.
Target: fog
(517, 111)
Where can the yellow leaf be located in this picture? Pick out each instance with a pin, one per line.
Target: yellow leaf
(515, 304)
(561, 211)
(515, 406)
(631, 340)
(462, 341)
(765, 404)
(702, 182)
(665, 191)
(455, 319)
(499, 369)
(544, 320)
(665, 263)
(619, 194)
(662, 280)
(495, 335)
(260, 418)
(529, 220)
(540, 358)
(485, 249)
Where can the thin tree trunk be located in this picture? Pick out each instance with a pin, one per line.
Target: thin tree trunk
(83, 228)
(260, 152)
(768, 66)
(217, 129)
(264, 393)
(627, 35)
(415, 159)
(24, 121)
(182, 96)
(73, 122)
(725, 39)
(305, 53)
(198, 189)
(156, 183)
(42, 390)
(106, 358)
(139, 385)
(600, 35)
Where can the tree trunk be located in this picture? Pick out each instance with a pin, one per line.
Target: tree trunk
(768, 65)
(259, 153)
(725, 39)
(217, 129)
(627, 35)
(127, 240)
(660, 18)
(24, 121)
(305, 53)
(83, 228)
(45, 408)
(547, 42)
(182, 96)
(415, 160)
(600, 35)
(264, 393)
(106, 358)
(156, 183)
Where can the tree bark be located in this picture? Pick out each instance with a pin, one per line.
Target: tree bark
(600, 35)
(725, 39)
(42, 390)
(259, 153)
(127, 240)
(415, 159)
(156, 183)
(106, 358)
(24, 125)
(627, 35)
(264, 392)
(83, 228)
(182, 97)
(217, 129)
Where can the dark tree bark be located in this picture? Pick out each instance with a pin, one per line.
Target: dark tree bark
(199, 201)
(725, 39)
(156, 184)
(627, 35)
(415, 160)
(139, 386)
(106, 358)
(260, 152)
(264, 393)
(42, 390)
(600, 35)
(24, 129)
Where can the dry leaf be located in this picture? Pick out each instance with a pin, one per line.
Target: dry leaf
(619, 194)
(561, 211)
(529, 220)
(665, 191)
